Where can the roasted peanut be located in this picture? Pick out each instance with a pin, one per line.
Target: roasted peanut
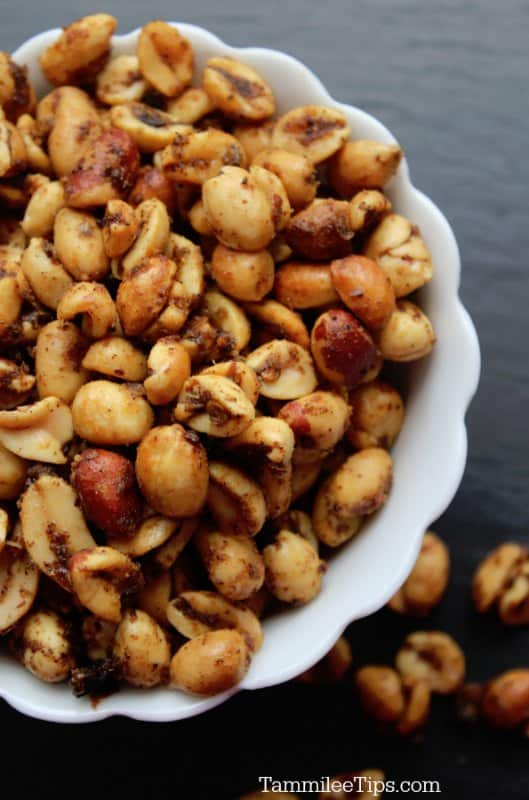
(342, 349)
(408, 334)
(367, 208)
(165, 58)
(79, 245)
(254, 138)
(10, 298)
(276, 194)
(513, 604)
(106, 485)
(363, 164)
(190, 106)
(244, 276)
(12, 150)
(397, 247)
(53, 526)
(142, 649)
(505, 702)
(318, 421)
(322, 230)
(58, 356)
(180, 493)
(237, 89)
(427, 582)
(279, 322)
(211, 663)
(44, 272)
(110, 413)
(196, 613)
(16, 93)
(229, 318)
(284, 368)
(38, 431)
(417, 708)
(120, 226)
(433, 657)
(73, 122)
(359, 487)
(153, 234)
(293, 569)
(154, 533)
(93, 301)
(314, 131)
(365, 289)
(120, 81)
(144, 292)
(377, 415)
(80, 52)
(240, 373)
(99, 576)
(303, 285)
(19, 580)
(13, 470)
(16, 383)
(380, 692)
(155, 595)
(169, 367)
(233, 563)
(117, 358)
(43, 207)
(296, 172)
(238, 210)
(151, 183)
(493, 574)
(198, 219)
(105, 172)
(304, 477)
(150, 129)
(235, 501)
(42, 643)
(189, 267)
(214, 405)
(196, 156)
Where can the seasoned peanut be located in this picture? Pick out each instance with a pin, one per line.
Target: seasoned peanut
(318, 420)
(229, 318)
(94, 303)
(169, 367)
(244, 276)
(408, 334)
(155, 595)
(380, 691)
(240, 373)
(196, 156)
(211, 663)
(13, 470)
(155, 532)
(284, 368)
(196, 613)
(493, 574)
(42, 643)
(254, 138)
(377, 415)
(79, 245)
(38, 431)
(58, 361)
(367, 208)
(73, 122)
(16, 383)
(397, 247)
(110, 413)
(296, 172)
(293, 569)
(150, 129)
(365, 289)
(198, 219)
(106, 485)
(174, 493)
(19, 580)
(233, 563)
(12, 150)
(153, 234)
(359, 487)
(53, 526)
(513, 604)
(190, 106)
(80, 52)
(303, 285)
(44, 272)
(119, 228)
(417, 699)
(10, 299)
(276, 194)
(322, 230)
(116, 357)
(142, 649)
(150, 183)
(16, 93)
(144, 292)
(505, 702)
(427, 582)
(43, 207)
(237, 89)
(165, 58)
(279, 322)
(313, 131)
(363, 164)
(99, 576)
(214, 405)
(304, 477)
(235, 501)
(120, 81)
(342, 349)
(238, 210)
(433, 657)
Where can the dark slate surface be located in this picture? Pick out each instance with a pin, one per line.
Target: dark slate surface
(451, 80)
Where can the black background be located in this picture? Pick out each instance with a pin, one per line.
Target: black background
(450, 79)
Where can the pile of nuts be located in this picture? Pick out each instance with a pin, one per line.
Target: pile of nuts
(197, 298)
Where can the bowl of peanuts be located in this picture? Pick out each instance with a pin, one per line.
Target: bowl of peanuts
(232, 384)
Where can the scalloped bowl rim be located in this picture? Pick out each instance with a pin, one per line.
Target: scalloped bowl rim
(293, 645)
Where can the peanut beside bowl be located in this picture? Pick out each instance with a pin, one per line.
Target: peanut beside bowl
(432, 440)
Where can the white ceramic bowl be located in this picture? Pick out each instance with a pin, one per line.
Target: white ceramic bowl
(429, 455)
